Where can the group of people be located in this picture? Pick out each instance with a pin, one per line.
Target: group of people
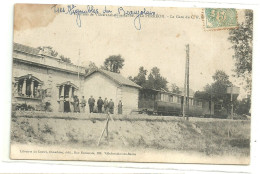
(108, 105)
(74, 105)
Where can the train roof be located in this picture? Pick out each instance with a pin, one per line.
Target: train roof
(170, 93)
(162, 91)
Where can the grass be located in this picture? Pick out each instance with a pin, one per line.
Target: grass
(209, 137)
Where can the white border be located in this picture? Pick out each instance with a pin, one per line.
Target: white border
(93, 167)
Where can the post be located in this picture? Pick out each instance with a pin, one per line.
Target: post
(39, 92)
(107, 130)
(70, 92)
(78, 73)
(188, 77)
(24, 88)
(62, 91)
(32, 88)
(184, 97)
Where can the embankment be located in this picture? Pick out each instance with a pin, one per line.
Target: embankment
(210, 137)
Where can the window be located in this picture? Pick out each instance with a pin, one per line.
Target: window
(179, 99)
(28, 86)
(159, 96)
(191, 101)
(170, 98)
(166, 98)
(175, 99)
(162, 97)
(67, 90)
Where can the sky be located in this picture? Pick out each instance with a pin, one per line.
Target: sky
(160, 41)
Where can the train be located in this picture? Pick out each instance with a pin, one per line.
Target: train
(159, 102)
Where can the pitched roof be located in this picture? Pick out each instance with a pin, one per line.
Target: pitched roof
(25, 49)
(118, 78)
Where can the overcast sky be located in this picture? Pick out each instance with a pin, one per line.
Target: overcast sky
(160, 42)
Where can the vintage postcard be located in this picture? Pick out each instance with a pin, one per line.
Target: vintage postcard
(131, 84)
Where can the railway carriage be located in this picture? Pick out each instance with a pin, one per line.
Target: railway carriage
(166, 103)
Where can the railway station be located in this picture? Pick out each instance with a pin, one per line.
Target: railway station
(42, 82)
(40, 79)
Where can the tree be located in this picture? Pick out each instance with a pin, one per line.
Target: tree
(175, 89)
(156, 81)
(242, 40)
(65, 59)
(153, 81)
(48, 50)
(140, 79)
(114, 63)
(243, 106)
(217, 91)
(91, 66)
(202, 95)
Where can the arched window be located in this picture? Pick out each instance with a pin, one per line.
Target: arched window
(28, 86)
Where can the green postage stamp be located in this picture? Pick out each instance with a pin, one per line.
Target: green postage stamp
(220, 18)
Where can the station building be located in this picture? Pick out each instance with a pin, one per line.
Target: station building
(40, 79)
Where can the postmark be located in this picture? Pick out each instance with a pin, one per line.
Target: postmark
(219, 18)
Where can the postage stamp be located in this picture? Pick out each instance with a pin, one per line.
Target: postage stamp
(220, 18)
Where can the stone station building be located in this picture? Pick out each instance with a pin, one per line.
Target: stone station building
(42, 82)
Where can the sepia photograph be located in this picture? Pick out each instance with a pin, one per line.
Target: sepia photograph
(131, 84)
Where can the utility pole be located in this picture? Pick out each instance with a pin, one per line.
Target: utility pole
(78, 64)
(188, 77)
(184, 96)
(186, 85)
(78, 73)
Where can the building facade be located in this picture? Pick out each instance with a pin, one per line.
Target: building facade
(44, 82)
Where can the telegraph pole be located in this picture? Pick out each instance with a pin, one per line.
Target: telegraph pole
(78, 65)
(188, 77)
(184, 96)
(186, 84)
(78, 73)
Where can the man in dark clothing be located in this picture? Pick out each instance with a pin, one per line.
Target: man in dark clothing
(105, 105)
(66, 104)
(120, 107)
(100, 105)
(111, 106)
(91, 103)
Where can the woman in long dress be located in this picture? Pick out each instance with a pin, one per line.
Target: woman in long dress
(120, 107)
(76, 104)
(71, 104)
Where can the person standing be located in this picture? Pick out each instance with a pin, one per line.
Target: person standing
(66, 104)
(83, 104)
(120, 107)
(111, 106)
(91, 103)
(105, 105)
(76, 104)
(72, 105)
(100, 104)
